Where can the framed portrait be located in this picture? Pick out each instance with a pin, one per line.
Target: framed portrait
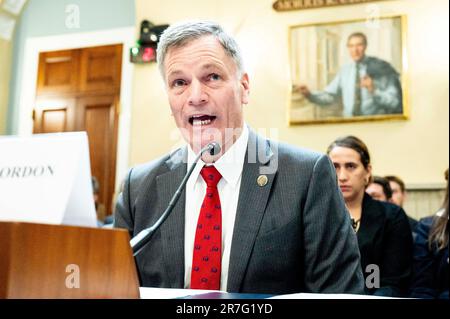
(348, 71)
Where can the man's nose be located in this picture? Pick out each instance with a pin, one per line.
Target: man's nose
(197, 94)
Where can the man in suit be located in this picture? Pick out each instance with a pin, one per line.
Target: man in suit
(259, 217)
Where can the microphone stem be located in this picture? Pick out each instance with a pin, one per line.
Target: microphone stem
(142, 238)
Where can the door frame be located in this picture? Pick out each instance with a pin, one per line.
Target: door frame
(36, 45)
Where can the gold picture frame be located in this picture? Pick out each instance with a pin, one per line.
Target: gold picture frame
(324, 61)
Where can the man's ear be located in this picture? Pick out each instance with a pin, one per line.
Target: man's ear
(245, 86)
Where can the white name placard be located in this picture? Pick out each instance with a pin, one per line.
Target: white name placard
(46, 178)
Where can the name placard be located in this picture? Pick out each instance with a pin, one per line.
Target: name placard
(46, 178)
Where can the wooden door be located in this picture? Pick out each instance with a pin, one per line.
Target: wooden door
(99, 71)
(79, 90)
(53, 115)
(98, 116)
(58, 72)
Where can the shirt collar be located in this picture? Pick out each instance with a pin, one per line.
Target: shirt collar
(229, 164)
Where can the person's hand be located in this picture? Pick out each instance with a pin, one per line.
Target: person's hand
(367, 82)
(303, 89)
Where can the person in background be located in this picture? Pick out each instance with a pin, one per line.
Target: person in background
(109, 219)
(398, 190)
(431, 264)
(99, 207)
(383, 232)
(380, 189)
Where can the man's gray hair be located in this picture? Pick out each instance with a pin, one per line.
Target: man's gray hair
(181, 34)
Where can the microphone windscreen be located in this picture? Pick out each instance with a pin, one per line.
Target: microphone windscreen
(215, 148)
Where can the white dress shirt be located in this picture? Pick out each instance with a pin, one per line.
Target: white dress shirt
(230, 166)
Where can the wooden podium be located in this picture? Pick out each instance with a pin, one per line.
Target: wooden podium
(53, 261)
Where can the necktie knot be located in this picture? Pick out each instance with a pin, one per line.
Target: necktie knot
(210, 175)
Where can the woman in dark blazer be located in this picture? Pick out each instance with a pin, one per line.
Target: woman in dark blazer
(383, 231)
(431, 264)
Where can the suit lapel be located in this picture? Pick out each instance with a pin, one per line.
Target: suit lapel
(251, 207)
(172, 230)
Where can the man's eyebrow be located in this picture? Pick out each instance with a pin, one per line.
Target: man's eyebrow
(211, 66)
(174, 73)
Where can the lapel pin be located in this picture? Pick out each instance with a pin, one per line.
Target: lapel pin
(262, 180)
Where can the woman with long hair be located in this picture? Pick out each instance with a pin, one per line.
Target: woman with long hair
(383, 232)
(431, 265)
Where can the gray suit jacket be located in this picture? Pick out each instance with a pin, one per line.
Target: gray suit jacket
(291, 235)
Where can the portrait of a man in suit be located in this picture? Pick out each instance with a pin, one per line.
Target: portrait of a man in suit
(236, 227)
(348, 73)
(367, 85)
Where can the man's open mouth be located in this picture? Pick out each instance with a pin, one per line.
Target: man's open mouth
(201, 119)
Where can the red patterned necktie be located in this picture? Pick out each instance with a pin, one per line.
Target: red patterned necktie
(206, 261)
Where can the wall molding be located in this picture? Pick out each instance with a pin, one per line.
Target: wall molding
(426, 187)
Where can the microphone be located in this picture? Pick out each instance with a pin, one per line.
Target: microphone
(140, 240)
